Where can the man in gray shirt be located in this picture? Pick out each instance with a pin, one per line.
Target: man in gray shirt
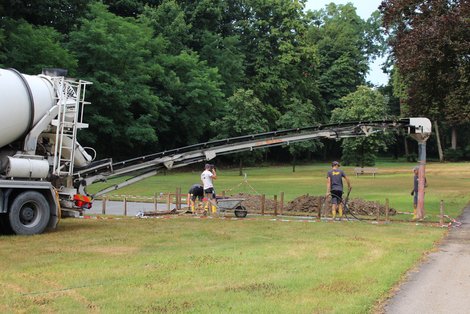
(334, 186)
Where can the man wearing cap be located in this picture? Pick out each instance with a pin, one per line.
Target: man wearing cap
(334, 186)
(207, 177)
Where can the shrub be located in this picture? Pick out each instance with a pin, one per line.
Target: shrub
(453, 154)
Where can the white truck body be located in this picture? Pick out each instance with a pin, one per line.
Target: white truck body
(39, 119)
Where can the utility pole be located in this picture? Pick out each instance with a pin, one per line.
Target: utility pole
(421, 134)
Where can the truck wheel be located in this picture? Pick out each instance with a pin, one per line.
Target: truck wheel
(29, 213)
(240, 212)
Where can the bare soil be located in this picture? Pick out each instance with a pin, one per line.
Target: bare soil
(312, 204)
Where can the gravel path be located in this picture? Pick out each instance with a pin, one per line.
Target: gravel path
(442, 283)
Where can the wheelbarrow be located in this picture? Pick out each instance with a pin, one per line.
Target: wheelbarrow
(235, 204)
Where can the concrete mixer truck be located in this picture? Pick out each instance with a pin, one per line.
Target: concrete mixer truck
(39, 119)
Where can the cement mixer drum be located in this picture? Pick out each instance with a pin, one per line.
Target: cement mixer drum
(24, 99)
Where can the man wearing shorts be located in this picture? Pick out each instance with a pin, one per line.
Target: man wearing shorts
(207, 177)
(196, 192)
(334, 186)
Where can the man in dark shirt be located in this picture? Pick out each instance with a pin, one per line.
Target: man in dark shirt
(196, 192)
(334, 186)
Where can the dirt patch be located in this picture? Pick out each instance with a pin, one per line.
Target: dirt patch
(312, 204)
(361, 207)
(253, 203)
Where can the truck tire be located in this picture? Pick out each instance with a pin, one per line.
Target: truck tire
(240, 212)
(29, 213)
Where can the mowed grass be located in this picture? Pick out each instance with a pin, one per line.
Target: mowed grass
(190, 265)
(213, 265)
(449, 182)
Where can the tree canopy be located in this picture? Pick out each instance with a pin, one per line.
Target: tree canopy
(365, 104)
(431, 47)
(170, 73)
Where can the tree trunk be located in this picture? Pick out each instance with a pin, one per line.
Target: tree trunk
(396, 148)
(294, 161)
(407, 150)
(439, 146)
(240, 167)
(362, 155)
(454, 138)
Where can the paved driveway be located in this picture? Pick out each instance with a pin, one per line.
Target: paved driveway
(442, 283)
(133, 208)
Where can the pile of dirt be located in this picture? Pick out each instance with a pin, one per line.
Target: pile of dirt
(307, 204)
(312, 204)
(253, 202)
(361, 207)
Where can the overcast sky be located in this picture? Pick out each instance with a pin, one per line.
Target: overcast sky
(364, 10)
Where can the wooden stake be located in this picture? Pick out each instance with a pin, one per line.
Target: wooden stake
(176, 199)
(263, 203)
(441, 216)
(387, 209)
(155, 201)
(103, 205)
(282, 203)
(125, 206)
(378, 214)
(275, 205)
(180, 198)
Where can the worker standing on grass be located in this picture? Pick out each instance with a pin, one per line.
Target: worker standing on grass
(196, 192)
(207, 177)
(334, 186)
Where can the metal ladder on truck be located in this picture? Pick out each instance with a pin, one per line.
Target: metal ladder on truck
(71, 100)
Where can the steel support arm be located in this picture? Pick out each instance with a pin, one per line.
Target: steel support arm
(206, 151)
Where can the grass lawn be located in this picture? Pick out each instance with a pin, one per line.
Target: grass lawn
(207, 265)
(255, 265)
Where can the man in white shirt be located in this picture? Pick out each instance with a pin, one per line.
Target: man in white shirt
(207, 177)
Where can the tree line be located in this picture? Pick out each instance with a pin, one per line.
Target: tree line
(171, 73)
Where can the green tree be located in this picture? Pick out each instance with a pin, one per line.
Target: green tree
(345, 43)
(244, 114)
(300, 114)
(430, 45)
(62, 15)
(365, 104)
(280, 64)
(127, 8)
(30, 48)
(113, 53)
(168, 21)
(213, 37)
(192, 88)
(225, 54)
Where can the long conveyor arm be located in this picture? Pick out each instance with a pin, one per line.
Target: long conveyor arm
(146, 166)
